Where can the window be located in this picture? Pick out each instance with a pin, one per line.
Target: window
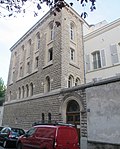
(47, 84)
(13, 75)
(51, 31)
(70, 81)
(19, 93)
(50, 54)
(72, 54)
(14, 59)
(31, 131)
(10, 96)
(38, 40)
(43, 118)
(96, 60)
(114, 54)
(28, 67)
(31, 89)
(23, 92)
(22, 53)
(71, 31)
(49, 117)
(77, 81)
(36, 61)
(29, 47)
(27, 90)
(73, 106)
(21, 71)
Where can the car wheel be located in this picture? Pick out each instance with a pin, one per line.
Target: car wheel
(19, 146)
(5, 143)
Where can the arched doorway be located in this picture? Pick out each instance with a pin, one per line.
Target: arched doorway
(73, 114)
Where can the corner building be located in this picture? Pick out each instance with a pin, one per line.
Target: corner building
(46, 62)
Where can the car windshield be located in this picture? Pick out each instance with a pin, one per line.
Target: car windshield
(18, 131)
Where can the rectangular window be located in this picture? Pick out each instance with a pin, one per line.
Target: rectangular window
(72, 54)
(50, 54)
(36, 62)
(52, 34)
(96, 60)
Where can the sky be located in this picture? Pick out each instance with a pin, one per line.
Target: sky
(12, 29)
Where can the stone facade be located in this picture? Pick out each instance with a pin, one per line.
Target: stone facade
(25, 55)
(45, 61)
(46, 78)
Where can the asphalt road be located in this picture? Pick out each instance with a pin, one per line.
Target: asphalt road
(6, 148)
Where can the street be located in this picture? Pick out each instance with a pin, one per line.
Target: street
(6, 148)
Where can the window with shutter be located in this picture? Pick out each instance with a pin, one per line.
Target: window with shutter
(103, 58)
(87, 63)
(114, 54)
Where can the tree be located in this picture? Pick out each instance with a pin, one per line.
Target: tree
(14, 7)
(2, 92)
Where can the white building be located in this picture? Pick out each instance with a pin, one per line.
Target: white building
(102, 50)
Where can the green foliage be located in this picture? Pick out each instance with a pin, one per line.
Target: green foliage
(2, 88)
(2, 91)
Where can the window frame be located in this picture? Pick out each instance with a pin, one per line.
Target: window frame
(96, 59)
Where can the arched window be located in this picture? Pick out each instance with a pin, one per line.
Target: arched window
(27, 90)
(51, 27)
(47, 84)
(70, 81)
(23, 92)
(73, 106)
(77, 81)
(49, 117)
(31, 89)
(19, 93)
(43, 118)
(38, 40)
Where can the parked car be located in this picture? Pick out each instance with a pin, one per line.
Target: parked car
(1, 127)
(49, 137)
(9, 136)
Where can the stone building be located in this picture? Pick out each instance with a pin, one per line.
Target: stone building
(44, 61)
(46, 83)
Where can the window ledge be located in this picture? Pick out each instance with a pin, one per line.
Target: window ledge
(11, 83)
(51, 41)
(73, 64)
(21, 78)
(48, 64)
(72, 41)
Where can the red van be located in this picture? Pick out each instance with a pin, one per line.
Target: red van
(49, 137)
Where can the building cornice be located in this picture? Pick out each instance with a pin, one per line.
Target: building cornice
(102, 30)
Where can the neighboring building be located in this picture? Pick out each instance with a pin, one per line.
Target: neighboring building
(102, 52)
